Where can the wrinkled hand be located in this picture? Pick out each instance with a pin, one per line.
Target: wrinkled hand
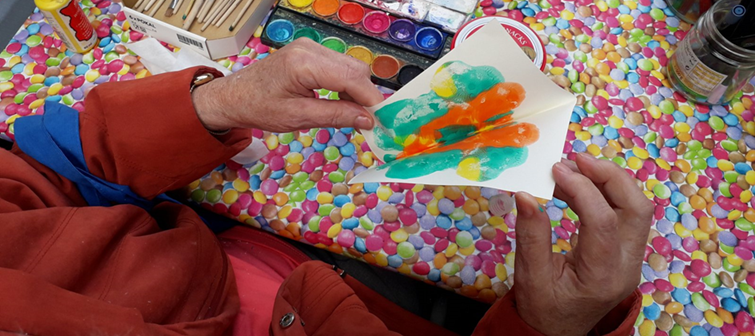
(568, 294)
(276, 94)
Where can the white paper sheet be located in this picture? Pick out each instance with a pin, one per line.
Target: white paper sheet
(546, 105)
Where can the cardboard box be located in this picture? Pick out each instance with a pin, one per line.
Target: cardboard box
(214, 42)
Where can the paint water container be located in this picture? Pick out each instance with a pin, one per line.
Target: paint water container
(689, 10)
(717, 56)
(522, 35)
(70, 23)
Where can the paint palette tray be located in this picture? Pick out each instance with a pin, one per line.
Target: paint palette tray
(391, 67)
(448, 15)
(422, 39)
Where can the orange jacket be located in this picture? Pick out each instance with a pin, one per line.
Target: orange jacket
(70, 269)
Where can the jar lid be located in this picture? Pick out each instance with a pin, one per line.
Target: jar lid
(737, 25)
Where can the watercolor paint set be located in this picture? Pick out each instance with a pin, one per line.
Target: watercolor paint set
(449, 15)
(419, 38)
(391, 66)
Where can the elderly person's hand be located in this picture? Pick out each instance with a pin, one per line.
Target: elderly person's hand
(276, 94)
(568, 294)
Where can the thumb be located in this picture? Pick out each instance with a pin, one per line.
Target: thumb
(331, 113)
(533, 259)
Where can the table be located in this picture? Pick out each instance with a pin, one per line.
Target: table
(695, 162)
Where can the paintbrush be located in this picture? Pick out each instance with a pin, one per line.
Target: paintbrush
(212, 11)
(171, 8)
(188, 9)
(193, 14)
(138, 3)
(238, 17)
(228, 13)
(205, 9)
(214, 14)
(221, 11)
(157, 6)
(149, 5)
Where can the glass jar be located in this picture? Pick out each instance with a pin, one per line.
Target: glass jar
(706, 67)
(689, 10)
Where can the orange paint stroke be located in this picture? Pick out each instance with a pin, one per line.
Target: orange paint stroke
(517, 135)
(501, 98)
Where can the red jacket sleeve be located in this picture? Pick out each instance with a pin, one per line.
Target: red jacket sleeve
(503, 316)
(146, 134)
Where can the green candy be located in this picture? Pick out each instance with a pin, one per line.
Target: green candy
(297, 196)
(573, 76)
(578, 87)
(729, 145)
(125, 37)
(245, 51)
(19, 98)
(197, 196)
(34, 87)
(366, 223)
(549, 21)
(662, 191)
(640, 319)
(583, 38)
(450, 269)
(5, 75)
(704, 153)
(285, 138)
(33, 41)
(712, 280)
(747, 289)
(110, 56)
(646, 65)
(512, 5)
(699, 301)
(314, 223)
(115, 29)
(645, 39)
(595, 129)
(657, 14)
(68, 100)
(554, 224)
(685, 208)
(613, 3)
(731, 176)
(331, 153)
(291, 187)
(405, 250)
(666, 106)
(743, 224)
(726, 248)
(623, 67)
(650, 137)
(5, 54)
(570, 213)
(464, 239)
(213, 196)
(716, 123)
(257, 168)
(729, 267)
(300, 177)
(694, 145)
(620, 161)
(306, 185)
(597, 26)
(724, 189)
(325, 209)
(87, 3)
(751, 304)
(555, 38)
(457, 214)
(88, 58)
(699, 164)
(580, 56)
(676, 331)
(336, 177)
(479, 13)
(544, 4)
(590, 108)
(333, 96)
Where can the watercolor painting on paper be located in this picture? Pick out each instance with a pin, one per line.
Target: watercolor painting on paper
(482, 115)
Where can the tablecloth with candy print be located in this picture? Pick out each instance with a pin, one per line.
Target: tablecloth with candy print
(695, 162)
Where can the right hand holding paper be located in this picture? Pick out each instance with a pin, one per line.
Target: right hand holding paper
(482, 115)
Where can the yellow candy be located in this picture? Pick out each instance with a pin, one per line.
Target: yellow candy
(634, 163)
(417, 188)
(747, 102)
(469, 168)
(438, 192)
(630, 4)
(641, 153)
(432, 207)
(677, 280)
(29, 69)
(745, 196)
(682, 231)
(230, 196)
(662, 164)
(381, 259)
(683, 165)
(13, 61)
(656, 65)
(682, 127)
(11, 119)
(305, 140)
(259, 197)
(285, 211)
(602, 5)
(143, 73)
(451, 250)
(537, 26)
(334, 230)
(593, 62)
(271, 141)
(36, 79)
(615, 122)
(688, 111)
(737, 108)
(501, 272)
(567, 15)
(54, 89)
(750, 127)
(626, 18)
(713, 319)
(665, 45)
(725, 165)
(326, 198)
(496, 221)
(750, 177)
(647, 328)
(734, 215)
(649, 194)
(692, 178)
(366, 159)
(240, 185)
(257, 33)
(194, 185)
(556, 249)
(126, 69)
(650, 183)
(582, 135)
(657, 74)
(384, 192)
(622, 84)
(295, 158)
(622, 41)
(91, 75)
(399, 235)
(347, 210)
(700, 235)
(37, 103)
(404, 269)
(593, 149)
(647, 300)
(469, 250)
(557, 71)
(5, 86)
(699, 255)
(735, 260)
(654, 111)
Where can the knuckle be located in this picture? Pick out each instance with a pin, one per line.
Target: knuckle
(356, 69)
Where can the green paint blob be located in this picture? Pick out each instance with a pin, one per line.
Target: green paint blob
(493, 161)
(406, 116)
(423, 164)
(498, 116)
(455, 133)
(463, 81)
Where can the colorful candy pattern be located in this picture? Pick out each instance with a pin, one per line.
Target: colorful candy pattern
(695, 162)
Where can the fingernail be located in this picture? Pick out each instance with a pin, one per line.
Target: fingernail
(363, 122)
(562, 168)
(524, 204)
(587, 156)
